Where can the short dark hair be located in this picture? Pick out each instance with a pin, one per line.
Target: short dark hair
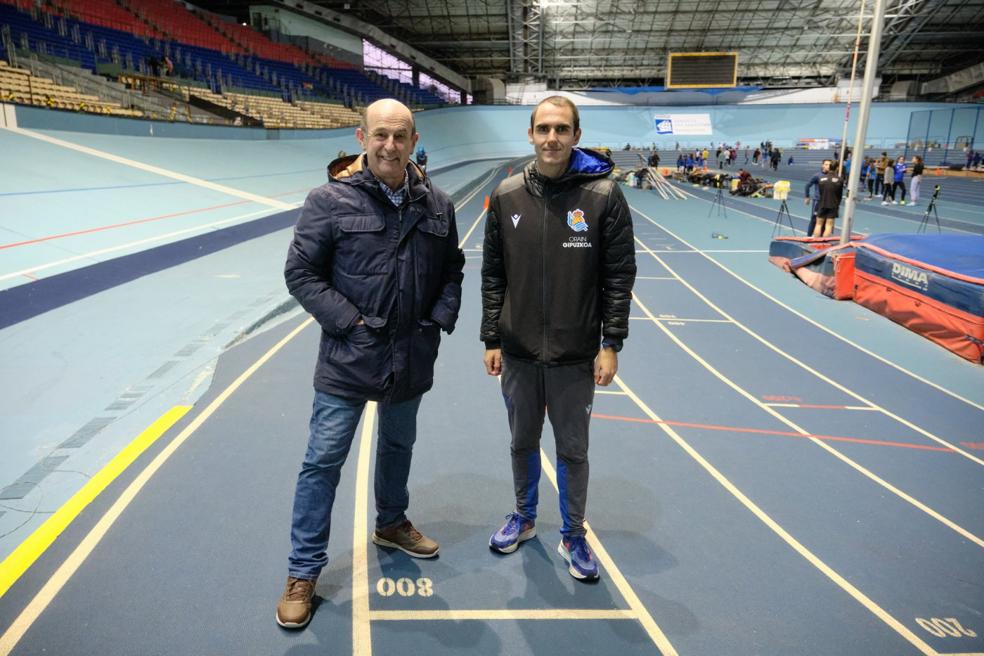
(559, 101)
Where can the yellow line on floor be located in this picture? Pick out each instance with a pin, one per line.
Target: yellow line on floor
(638, 609)
(805, 433)
(198, 182)
(75, 560)
(843, 583)
(495, 615)
(817, 324)
(28, 551)
(361, 631)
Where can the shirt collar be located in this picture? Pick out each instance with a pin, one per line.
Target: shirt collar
(396, 197)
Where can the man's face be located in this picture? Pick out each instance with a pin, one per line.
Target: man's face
(388, 140)
(553, 136)
(825, 167)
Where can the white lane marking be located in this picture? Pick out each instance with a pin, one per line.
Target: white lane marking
(361, 631)
(198, 182)
(812, 558)
(815, 323)
(140, 242)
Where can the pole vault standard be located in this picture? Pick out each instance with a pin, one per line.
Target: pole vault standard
(870, 70)
(850, 92)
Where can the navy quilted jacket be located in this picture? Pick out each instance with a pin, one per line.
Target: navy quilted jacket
(356, 256)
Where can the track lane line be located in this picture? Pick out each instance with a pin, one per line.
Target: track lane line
(808, 319)
(638, 609)
(34, 546)
(806, 434)
(497, 615)
(776, 528)
(361, 629)
(810, 369)
(58, 580)
(198, 182)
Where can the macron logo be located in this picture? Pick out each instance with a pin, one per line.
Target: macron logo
(516, 218)
(910, 276)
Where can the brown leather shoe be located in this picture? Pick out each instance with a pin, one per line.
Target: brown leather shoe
(294, 608)
(407, 539)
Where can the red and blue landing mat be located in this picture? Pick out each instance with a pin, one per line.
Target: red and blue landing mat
(820, 262)
(931, 284)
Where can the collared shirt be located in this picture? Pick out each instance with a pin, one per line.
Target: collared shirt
(396, 197)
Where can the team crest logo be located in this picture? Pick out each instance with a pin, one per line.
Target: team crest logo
(576, 221)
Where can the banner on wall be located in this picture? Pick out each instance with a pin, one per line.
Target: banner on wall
(683, 124)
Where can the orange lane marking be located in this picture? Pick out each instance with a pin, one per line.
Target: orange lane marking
(763, 431)
(136, 222)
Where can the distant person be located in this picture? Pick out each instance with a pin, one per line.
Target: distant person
(812, 194)
(898, 179)
(888, 184)
(830, 190)
(916, 181)
(653, 158)
(422, 158)
(879, 174)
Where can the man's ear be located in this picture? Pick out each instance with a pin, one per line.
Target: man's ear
(577, 137)
(529, 134)
(361, 136)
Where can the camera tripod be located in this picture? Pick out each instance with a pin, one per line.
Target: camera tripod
(783, 212)
(924, 224)
(719, 202)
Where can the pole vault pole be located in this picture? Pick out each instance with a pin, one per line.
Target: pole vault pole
(850, 91)
(870, 70)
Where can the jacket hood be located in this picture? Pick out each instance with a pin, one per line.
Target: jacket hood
(585, 164)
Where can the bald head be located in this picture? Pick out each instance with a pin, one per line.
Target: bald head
(387, 107)
(388, 135)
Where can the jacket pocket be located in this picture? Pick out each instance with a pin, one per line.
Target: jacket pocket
(360, 360)
(423, 352)
(361, 246)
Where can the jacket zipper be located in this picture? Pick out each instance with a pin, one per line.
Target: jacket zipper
(543, 274)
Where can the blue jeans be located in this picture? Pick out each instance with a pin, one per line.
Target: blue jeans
(333, 423)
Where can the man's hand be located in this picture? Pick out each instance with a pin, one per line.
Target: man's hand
(605, 366)
(493, 361)
(806, 201)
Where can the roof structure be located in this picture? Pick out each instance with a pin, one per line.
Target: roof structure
(604, 43)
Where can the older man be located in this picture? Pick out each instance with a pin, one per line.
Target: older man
(375, 260)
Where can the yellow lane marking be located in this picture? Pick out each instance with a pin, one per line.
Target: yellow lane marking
(71, 565)
(810, 369)
(821, 443)
(480, 615)
(638, 609)
(38, 542)
(198, 182)
(361, 632)
(813, 321)
(843, 583)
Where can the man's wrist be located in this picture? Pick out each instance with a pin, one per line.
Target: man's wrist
(612, 343)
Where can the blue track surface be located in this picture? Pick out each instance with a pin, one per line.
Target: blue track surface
(787, 476)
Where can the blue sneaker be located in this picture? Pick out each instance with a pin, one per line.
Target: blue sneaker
(577, 553)
(515, 530)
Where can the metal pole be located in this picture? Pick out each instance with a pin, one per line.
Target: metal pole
(870, 70)
(850, 92)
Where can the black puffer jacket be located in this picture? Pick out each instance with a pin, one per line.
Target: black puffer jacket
(355, 255)
(558, 263)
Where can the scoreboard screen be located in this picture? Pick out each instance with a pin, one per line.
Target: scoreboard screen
(697, 70)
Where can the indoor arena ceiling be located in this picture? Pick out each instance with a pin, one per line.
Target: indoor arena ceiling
(592, 43)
